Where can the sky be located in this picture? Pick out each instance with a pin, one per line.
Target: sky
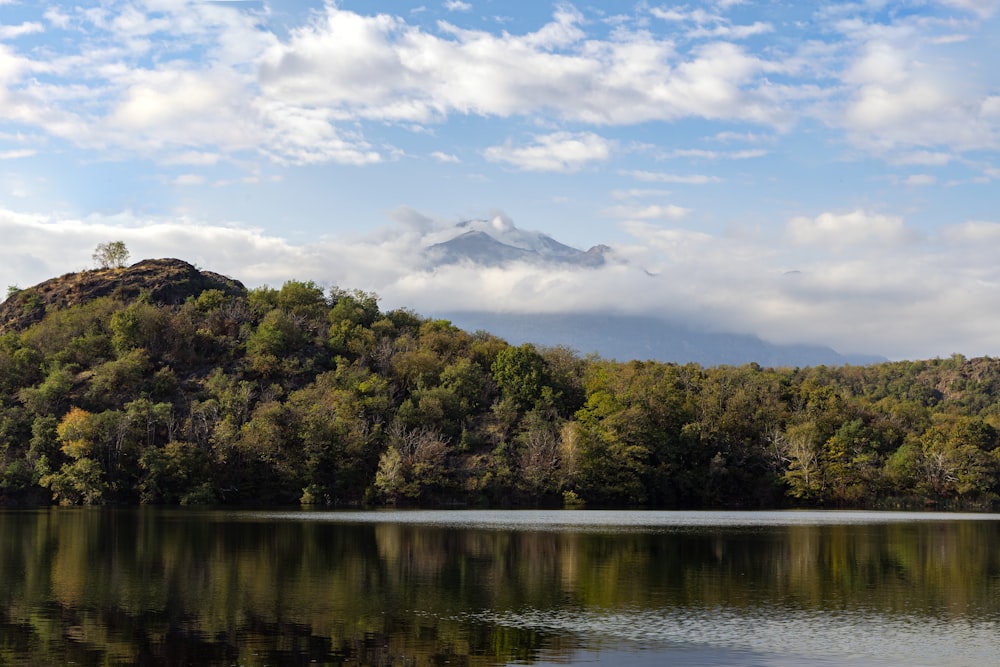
(809, 172)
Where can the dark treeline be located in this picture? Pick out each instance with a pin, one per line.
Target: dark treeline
(296, 395)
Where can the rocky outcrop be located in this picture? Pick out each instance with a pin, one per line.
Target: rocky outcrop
(162, 281)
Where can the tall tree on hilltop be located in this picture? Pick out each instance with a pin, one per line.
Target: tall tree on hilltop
(111, 255)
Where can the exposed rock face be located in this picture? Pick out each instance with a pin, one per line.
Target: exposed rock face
(166, 281)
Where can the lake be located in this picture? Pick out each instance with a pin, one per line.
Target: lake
(180, 586)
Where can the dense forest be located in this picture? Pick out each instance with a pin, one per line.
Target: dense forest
(158, 383)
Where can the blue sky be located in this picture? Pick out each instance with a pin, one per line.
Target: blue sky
(808, 172)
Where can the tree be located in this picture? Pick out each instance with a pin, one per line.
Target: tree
(521, 374)
(801, 451)
(413, 465)
(111, 255)
(76, 432)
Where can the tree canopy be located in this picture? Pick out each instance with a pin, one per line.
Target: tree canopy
(301, 395)
(111, 255)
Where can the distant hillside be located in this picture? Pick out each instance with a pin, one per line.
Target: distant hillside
(625, 337)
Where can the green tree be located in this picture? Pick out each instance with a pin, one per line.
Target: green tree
(521, 374)
(111, 255)
(413, 467)
(80, 482)
(177, 473)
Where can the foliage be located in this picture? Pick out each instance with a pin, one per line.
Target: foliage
(111, 255)
(296, 395)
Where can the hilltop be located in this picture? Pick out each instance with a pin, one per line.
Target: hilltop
(160, 281)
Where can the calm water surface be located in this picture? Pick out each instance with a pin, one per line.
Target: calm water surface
(170, 586)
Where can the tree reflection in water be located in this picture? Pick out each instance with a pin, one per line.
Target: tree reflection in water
(154, 586)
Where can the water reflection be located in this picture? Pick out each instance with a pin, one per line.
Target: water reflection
(96, 586)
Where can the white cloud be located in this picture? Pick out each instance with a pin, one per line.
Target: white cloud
(659, 177)
(733, 31)
(682, 14)
(15, 31)
(907, 93)
(716, 155)
(195, 158)
(56, 17)
(298, 135)
(445, 157)
(457, 6)
(638, 193)
(17, 154)
(917, 180)
(982, 8)
(12, 67)
(561, 151)
(189, 179)
(106, 96)
(184, 107)
(838, 231)
(923, 158)
(650, 212)
(973, 232)
(720, 26)
(991, 106)
(379, 67)
(745, 137)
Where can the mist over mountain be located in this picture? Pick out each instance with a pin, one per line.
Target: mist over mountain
(499, 243)
(625, 337)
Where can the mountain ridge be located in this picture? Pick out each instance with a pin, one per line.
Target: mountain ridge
(625, 337)
(497, 242)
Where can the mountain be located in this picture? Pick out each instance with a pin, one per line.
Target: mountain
(625, 337)
(497, 242)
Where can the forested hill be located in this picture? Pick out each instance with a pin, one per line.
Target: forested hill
(159, 383)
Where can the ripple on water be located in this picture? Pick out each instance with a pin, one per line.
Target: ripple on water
(613, 520)
(771, 636)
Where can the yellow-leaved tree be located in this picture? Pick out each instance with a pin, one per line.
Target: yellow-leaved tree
(76, 432)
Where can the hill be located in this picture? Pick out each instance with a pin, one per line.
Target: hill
(160, 383)
(161, 281)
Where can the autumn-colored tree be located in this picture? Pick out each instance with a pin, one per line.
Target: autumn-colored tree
(76, 432)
